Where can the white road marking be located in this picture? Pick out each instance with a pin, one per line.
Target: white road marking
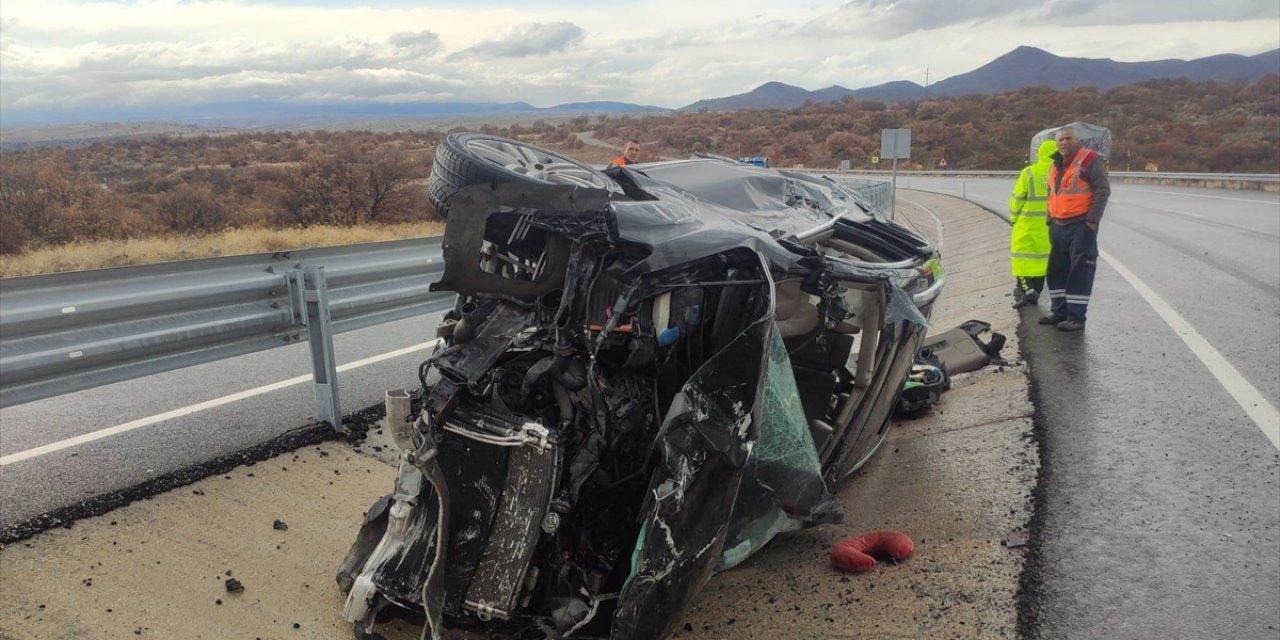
(1197, 195)
(198, 407)
(1246, 395)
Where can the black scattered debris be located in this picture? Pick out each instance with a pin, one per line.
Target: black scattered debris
(280, 525)
(297, 626)
(357, 423)
(233, 586)
(218, 602)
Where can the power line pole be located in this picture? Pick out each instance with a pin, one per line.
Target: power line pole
(926, 82)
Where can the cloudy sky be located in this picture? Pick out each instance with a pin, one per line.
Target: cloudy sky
(68, 53)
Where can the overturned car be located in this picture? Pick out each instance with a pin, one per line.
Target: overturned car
(648, 373)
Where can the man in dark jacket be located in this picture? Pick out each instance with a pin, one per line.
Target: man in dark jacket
(1078, 193)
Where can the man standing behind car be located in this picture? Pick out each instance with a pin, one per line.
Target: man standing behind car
(630, 154)
(1078, 193)
(1029, 239)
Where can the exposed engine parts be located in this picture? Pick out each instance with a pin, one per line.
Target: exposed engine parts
(632, 392)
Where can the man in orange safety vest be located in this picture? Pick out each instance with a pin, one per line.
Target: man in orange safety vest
(1078, 193)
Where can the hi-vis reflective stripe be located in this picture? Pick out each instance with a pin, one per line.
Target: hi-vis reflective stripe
(1034, 214)
(1032, 196)
(1057, 293)
(1034, 256)
(1078, 299)
(1073, 184)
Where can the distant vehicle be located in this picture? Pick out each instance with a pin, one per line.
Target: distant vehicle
(1092, 136)
(759, 161)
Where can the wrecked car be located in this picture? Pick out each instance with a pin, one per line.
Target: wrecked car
(647, 374)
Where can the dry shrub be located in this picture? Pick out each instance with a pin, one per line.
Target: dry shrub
(13, 235)
(345, 189)
(192, 209)
(42, 205)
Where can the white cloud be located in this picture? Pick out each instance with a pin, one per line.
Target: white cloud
(59, 53)
(534, 38)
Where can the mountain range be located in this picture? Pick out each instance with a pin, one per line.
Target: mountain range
(1022, 67)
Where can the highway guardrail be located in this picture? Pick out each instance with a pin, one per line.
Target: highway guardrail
(65, 332)
(1248, 181)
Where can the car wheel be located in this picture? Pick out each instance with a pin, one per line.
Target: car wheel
(464, 159)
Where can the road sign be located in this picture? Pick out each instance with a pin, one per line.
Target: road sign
(895, 144)
(875, 159)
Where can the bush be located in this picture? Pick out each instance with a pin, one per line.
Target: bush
(192, 209)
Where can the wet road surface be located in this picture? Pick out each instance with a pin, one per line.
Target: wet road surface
(1158, 512)
(1160, 504)
(36, 485)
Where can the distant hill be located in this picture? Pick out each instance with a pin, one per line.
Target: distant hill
(770, 95)
(1022, 67)
(895, 91)
(1029, 66)
(603, 106)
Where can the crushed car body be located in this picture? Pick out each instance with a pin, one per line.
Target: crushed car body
(648, 373)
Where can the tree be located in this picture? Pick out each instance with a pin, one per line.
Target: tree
(386, 179)
(192, 209)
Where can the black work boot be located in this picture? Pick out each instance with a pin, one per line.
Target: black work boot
(1053, 318)
(1071, 324)
(1019, 296)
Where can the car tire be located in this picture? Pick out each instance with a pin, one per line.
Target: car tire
(464, 159)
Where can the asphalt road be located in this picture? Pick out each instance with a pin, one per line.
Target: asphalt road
(39, 484)
(1158, 514)
(1159, 510)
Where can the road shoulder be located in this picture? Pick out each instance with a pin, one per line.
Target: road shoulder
(957, 479)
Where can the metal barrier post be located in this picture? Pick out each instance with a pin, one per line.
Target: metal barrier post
(310, 299)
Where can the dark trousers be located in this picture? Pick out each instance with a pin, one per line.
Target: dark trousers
(1073, 259)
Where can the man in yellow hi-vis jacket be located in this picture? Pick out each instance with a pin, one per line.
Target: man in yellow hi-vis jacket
(1029, 242)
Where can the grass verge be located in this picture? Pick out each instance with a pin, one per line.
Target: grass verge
(80, 256)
